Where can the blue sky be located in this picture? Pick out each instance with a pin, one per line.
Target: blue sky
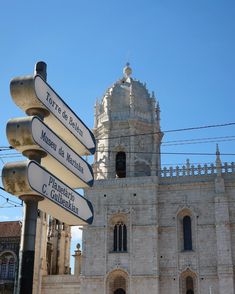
(183, 50)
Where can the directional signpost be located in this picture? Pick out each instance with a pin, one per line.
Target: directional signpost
(33, 92)
(30, 133)
(52, 136)
(60, 201)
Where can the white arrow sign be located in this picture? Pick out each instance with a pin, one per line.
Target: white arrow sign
(29, 178)
(24, 133)
(33, 92)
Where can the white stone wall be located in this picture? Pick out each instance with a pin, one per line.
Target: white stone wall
(155, 242)
(155, 261)
(60, 284)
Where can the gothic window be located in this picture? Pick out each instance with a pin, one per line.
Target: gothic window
(121, 164)
(120, 238)
(187, 233)
(189, 285)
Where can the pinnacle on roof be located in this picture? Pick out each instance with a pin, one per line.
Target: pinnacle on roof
(127, 71)
(218, 161)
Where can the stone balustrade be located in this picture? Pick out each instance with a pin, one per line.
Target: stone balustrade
(198, 170)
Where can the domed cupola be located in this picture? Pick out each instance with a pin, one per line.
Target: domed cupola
(123, 118)
(128, 99)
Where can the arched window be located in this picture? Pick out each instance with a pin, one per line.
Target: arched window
(117, 282)
(188, 282)
(120, 238)
(121, 164)
(11, 268)
(189, 285)
(187, 233)
(3, 268)
(7, 266)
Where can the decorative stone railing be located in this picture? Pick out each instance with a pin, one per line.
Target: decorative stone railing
(191, 170)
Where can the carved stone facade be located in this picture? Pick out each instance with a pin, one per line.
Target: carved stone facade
(9, 255)
(52, 253)
(161, 231)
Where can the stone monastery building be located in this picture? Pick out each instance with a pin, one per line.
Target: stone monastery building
(155, 231)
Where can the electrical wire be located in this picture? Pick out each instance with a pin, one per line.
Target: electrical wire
(170, 131)
(199, 139)
(194, 142)
(148, 152)
(170, 143)
(3, 148)
(11, 202)
(170, 153)
(7, 199)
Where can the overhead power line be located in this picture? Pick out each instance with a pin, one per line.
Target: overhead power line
(152, 153)
(171, 131)
(7, 199)
(4, 148)
(10, 202)
(170, 153)
(198, 141)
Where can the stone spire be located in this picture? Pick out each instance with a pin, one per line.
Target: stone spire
(96, 111)
(218, 161)
(158, 111)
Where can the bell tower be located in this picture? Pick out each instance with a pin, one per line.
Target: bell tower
(127, 129)
(120, 247)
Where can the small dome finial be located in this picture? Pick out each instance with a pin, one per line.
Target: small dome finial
(127, 71)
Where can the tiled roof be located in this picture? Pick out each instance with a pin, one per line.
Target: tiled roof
(10, 229)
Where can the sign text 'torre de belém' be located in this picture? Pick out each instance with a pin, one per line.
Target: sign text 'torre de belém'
(33, 92)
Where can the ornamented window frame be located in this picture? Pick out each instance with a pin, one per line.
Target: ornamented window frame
(9, 259)
(187, 233)
(120, 161)
(188, 273)
(119, 219)
(117, 279)
(184, 212)
(120, 237)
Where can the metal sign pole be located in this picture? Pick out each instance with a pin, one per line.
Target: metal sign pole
(62, 166)
(26, 267)
(27, 251)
